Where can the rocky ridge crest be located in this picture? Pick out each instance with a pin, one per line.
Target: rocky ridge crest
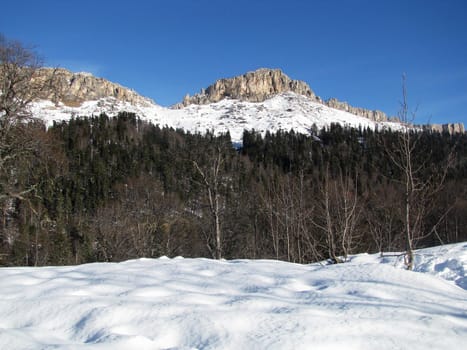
(375, 115)
(255, 86)
(72, 89)
(379, 116)
(259, 85)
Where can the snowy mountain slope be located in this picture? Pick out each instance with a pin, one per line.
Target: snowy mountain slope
(367, 303)
(284, 111)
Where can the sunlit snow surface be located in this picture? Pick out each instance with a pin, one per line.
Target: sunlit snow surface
(367, 303)
(285, 111)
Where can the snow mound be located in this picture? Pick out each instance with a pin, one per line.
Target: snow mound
(369, 302)
(448, 262)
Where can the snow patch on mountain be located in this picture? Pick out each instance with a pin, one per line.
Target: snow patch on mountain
(285, 111)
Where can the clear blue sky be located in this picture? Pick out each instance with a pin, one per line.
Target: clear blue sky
(355, 50)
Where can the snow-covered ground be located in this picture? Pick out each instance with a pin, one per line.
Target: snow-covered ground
(367, 303)
(284, 111)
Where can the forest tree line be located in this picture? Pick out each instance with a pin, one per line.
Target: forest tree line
(111, 189)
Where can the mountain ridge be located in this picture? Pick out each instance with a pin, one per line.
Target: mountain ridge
(258, 85)
(73, 90)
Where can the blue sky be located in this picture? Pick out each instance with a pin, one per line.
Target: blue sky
(355, 50)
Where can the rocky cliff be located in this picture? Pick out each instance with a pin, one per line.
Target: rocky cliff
(259, 85)
(254, 86)
(452, 128)
(378, 116)
(374, 115)
(72, 89)
(264, 83)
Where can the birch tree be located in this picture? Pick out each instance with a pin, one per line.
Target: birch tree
(420, 184)
(211, 181)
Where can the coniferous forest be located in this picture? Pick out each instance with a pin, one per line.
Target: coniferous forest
(111, 189)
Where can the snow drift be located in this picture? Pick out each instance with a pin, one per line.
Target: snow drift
(369, 302)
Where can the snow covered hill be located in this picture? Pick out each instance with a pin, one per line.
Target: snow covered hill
(367, 303)
(284, 111)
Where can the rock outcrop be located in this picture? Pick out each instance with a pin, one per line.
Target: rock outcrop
(379, 116)
(374, 115)
(255, 86)
(264, 83)
(72, 89)
(451, 128)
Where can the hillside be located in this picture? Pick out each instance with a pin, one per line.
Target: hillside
(369, 302)
(113, 189)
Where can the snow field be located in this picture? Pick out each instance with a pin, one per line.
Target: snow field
(284, 111)
(367, 303)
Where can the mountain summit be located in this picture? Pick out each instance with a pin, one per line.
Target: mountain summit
(265, 83)
(256, 86)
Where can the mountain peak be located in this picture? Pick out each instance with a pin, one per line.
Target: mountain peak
(255, 86)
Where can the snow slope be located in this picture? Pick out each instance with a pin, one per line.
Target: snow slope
(367, 303)
(282, 112)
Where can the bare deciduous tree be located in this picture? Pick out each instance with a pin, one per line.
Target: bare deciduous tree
(289, 210)
(420, 184)
(137, 223)
(21, 82)
(212, 180)
(383, 219)
(338, 215)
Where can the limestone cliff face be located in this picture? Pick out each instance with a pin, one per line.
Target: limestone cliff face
(451, 128)
(254, 86)
(264, 83)
(378, 116)
(72, 89)
(374, 115)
